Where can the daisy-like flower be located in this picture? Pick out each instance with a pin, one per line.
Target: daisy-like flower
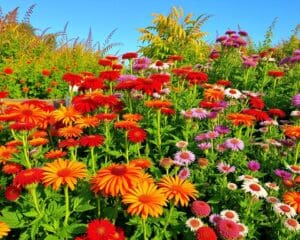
(38, 142)
(12, 168)
(296, 100)
(143, 163)
(166, 162)
(292, 199)
(179, 190)
(272, 200)
(294, 168)
(206, 233)
(243, 229)
(292, 131)
(4, 229)
(200, 208)
(232, 186)
(227, 229)
(63, 172)
(70, 132)
(66, 115)
(247, 178)
(272, 186)
(222, 129)
(283, 174)
(126, 125)
(225, 168)
(91, 140)
(234, 144)
(184, 157)
(212, 134)
(181, 144)
(204, 145)
(67, 143)
(12, 193)
(255, 189)
(87, 121)
(230, 214)
(116, 179)
(184, 173)
(214, 95)
(194, 223)
(214, 218)
(199, 113)
(136, 135)
(284, 209)
(253, 165)
(54, 154)
(232, 93)
(145, 199)
(292, 224)
(28, 176)
(132, 117)
(100, 229)
(241, 119)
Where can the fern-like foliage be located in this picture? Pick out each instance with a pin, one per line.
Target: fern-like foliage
(26, 18)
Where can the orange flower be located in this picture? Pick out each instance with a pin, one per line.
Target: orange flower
(292, 131)
(4, 229)
(141, 162)
(126, 124)
(178, 189)
(132, 117)
(67, 115)
(87, 121)
(6, 153)
(26, 113)
(145, 199)
(53, 154)
(214, 94)
(292, 199)
(70, 132)
(241, 119)
(38, 142)
(158, 104)
(116, 179)
(38, 134)
(63, 172)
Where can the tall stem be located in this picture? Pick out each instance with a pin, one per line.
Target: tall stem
(67, 204)
(169, 217)
(126, 147)
(144, 229)
(158, 135)
(32, 191)
(93, 159)
(297, 151)
(25, 150)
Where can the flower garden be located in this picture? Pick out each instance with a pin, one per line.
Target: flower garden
(99, 146)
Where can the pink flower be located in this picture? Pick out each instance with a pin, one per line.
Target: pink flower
(234, 144)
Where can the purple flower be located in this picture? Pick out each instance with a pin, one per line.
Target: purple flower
(125, 77)
(205, 145)
(243, 33)
(184, 173)
(296, 100)
(212, 115)
(212, 135)
(141, 63)
(234, 144)
(200, 113)
(283, 174)
(296, 52)
(253, 166)
(201, 137)
(222, 129)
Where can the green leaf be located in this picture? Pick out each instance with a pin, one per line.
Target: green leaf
(11, 218)
(30, 214)
(84, 208)
(51, 237)
(77, 228)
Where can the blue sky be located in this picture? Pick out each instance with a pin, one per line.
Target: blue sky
(127, 16)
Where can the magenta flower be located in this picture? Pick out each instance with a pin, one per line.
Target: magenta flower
(205, 145)
(184, 173)
(200, 113)
(182, 158)
(222, 129)
(253, 165)
(225, 168)
(234, 144)
(296, 100)
(283, 174)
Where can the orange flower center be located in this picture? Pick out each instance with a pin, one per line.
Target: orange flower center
(28, 174)
(254, 187)
(119, 170)
(194, 223)
(64, 172)
(295, 167)
(232, 91)
(27, 112)
(285, 208)
(145, 199)
(101, 231)
(184, 155)
(234, 141)
(292, 222)
(229, 214)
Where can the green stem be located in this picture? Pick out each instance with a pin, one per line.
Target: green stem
(73, 153)
(144, 229)
(126, 147)
(169, 217)
(115, 216)
(93, 159)
(107, 141)
(32, 191)
(25, 150)
(99, 205)
(297, 152)
(67, 204)
(158, 131)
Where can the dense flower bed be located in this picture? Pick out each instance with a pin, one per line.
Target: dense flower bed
(156, 150)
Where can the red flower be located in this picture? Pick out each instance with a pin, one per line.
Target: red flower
(109, 75)
(257, 102)
(91, 140)
(126, 84)
(12, 193)
(117, 66)
(137, 135)
(8, 70)
(181, 71)
(92, 83)
(163, 78)
(111, 57)
(84, 103)
(148, 85)
(104, 62)
(28, 176)
(258, 114)
(206, 233)
(4, 94)
(276, 73)
(174, 58)
(275, 112)
(67, 143)
(129, 55)
(200, 208)
(197, 77)
(100, 229)
(107, 100)
(72, 79)
(119, 235)
(19, 126)
(106, 117)
(46, 72)
(167, 111)
(228, 229)
(225, 83)
(12, 168)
